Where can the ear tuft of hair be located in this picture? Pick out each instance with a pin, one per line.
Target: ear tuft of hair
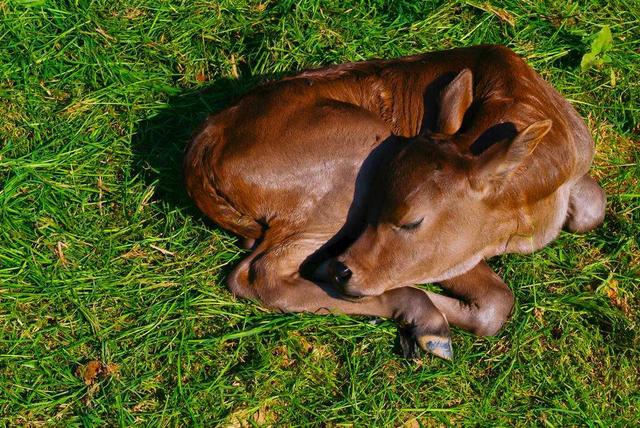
(495, 165)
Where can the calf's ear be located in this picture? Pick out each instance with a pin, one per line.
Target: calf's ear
(455, 99)
(498, 163)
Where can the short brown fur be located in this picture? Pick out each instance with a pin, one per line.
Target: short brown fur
(355, 182)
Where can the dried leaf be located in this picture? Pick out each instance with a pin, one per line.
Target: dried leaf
(94, 370)
(611, 290)
(89, 372)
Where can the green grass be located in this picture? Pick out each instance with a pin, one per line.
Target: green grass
(103, 257)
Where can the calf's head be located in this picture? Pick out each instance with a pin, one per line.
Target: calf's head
(433, 213)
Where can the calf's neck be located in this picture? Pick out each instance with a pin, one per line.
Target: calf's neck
(353, 183)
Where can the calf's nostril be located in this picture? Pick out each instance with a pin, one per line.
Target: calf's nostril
(341, 273)
(344, 273)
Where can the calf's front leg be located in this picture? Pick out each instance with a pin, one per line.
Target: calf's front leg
(483, 304)
(271, 276)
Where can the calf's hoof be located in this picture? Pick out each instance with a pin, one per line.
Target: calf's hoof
(411, 340)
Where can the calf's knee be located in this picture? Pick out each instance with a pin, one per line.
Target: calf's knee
(493, 312)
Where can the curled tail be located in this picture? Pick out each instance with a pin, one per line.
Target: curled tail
(201, 183)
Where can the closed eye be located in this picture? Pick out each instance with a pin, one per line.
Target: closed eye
(411, 226)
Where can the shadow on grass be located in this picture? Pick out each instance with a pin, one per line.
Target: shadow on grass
(160, 141)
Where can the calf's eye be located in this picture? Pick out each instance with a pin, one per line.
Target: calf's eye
(411, 226)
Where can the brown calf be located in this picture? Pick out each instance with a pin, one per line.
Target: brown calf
(355, 182)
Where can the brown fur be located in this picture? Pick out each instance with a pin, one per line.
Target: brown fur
(334, 167)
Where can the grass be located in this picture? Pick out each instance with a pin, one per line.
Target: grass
(103, 257)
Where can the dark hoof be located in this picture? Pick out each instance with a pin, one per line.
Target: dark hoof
(410, 344)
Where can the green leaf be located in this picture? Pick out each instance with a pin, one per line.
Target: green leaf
(603, 41)
(587, 60)
(601, 44)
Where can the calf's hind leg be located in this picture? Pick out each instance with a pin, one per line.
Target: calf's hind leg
(587, 203)
(271, 276)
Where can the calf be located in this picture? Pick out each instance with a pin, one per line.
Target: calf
(355, 182)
